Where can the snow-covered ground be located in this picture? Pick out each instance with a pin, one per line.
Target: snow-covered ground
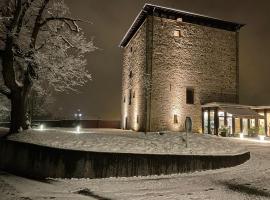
(250, 180)
(116, 140)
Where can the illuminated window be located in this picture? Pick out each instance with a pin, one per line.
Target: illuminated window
(220, 113)
(177, 33)
(175, 119)
(179, 19)
(190, 96)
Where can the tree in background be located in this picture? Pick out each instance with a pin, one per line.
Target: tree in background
(40, 45)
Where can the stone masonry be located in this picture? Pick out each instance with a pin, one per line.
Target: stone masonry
(202, 58)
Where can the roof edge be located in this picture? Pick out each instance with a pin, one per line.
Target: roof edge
(150, 8)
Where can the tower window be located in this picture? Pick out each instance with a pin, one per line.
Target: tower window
(175, 119)
(137, 119)
(124, 99)
(130, 74)
(131, 49)
(130, 95)
(190, 96)
(134, 94)
(179, 19)
(177, 33)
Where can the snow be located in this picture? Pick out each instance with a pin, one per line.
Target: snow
(249, 181)
(116, 140)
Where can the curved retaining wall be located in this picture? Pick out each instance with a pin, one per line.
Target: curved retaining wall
(40, 162)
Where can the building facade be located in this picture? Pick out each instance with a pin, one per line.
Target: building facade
(248, 120)
(173, 63)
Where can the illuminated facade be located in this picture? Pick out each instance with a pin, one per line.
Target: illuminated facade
(173, 63)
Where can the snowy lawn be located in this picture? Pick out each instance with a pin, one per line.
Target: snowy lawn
(115, 140)
(249, 181)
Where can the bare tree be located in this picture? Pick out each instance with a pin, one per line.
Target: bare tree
(40, 44)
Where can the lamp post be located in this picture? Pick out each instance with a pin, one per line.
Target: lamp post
(78, 115)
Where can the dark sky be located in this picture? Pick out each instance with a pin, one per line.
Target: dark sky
(111, 19)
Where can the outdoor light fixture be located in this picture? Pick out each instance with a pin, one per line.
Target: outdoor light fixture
(261, 137)
(78, 129)
(41, 127)
(241, 135)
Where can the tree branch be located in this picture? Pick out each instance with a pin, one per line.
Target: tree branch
(68, 42)
(37, 24)
(67, 20)
(26, 5)
(16, 15)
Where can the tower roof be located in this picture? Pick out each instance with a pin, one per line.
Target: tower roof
(170, 13)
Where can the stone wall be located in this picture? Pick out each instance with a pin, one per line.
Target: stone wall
(202, 58)
(134, 61)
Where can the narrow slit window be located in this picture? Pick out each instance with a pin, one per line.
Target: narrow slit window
(130, 74)
(130, 95)
(175, 119)
(134, 94)
(190, 96)
(124, 99)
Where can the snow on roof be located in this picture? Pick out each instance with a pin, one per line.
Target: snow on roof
(150, 9)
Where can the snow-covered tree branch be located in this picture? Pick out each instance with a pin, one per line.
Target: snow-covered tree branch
(40, 44)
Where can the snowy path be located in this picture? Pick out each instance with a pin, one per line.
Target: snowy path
(250, 180)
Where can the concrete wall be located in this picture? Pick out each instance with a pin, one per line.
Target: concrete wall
(40, 162)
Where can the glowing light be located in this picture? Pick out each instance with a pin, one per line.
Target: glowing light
(78, 129)
(241, 135)
(41, 127)
(261, 137)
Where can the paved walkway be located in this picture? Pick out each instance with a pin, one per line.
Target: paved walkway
(250, 180)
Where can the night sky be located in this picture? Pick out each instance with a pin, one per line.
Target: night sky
(101, 97)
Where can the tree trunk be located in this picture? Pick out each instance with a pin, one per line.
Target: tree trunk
(19, 119)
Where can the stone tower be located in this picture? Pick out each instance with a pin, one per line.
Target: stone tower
(174, 62)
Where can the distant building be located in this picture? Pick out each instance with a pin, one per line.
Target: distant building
(174, 64)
